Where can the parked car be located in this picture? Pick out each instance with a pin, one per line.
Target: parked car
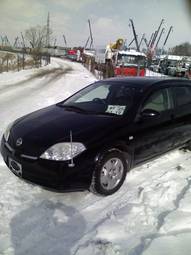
(155, 66)
(93, 138)
(72, 55)
(168, 64)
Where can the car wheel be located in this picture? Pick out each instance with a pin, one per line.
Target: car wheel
(110, 173)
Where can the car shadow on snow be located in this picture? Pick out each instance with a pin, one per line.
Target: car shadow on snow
(46, 228)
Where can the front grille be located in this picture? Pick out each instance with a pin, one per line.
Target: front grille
(28, 157)
(15, 167)
(21, 155)
(9, 147)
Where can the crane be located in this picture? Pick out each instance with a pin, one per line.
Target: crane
(134, 34)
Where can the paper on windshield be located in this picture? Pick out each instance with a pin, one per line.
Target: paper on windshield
(116, 109)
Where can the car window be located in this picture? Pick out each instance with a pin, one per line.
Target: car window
(100, 92)
(158, 101)
(182, 95)
(102, 98)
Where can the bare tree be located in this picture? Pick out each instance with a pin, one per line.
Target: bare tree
(36, 36)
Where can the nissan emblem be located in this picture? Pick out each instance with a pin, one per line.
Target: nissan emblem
(19, 142)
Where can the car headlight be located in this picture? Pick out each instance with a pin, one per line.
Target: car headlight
(63, 151)
(7, 131)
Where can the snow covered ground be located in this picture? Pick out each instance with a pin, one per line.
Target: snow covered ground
(151, 73)
(149, 215)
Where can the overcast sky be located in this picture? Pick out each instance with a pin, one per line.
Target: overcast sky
(110, 19)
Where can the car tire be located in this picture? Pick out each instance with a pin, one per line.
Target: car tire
(110, 172)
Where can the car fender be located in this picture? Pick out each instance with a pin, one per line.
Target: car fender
(119, 146)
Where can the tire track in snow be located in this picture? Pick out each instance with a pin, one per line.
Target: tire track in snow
(31, 85)
(148, 239)
(126, 203)
(39, 73)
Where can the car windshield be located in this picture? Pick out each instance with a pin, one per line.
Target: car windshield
(102, 98)
(172, 63)
(124, 59)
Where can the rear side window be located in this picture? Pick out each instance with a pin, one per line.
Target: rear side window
(182, 95)
(158, 101)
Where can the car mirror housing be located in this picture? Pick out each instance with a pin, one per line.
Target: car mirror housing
(149, 114)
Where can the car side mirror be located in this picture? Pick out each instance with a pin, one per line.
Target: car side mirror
(149, 114)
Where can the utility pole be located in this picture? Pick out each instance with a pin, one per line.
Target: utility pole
(7, 43)
(146, 43)
(48, 31)
(135, 35)
(170, 30)
(162, 31)
(153, 39)
(156, 33)
(55, 40)
(16, 42)
(150, 40)
(2, 41)
(142, 38)
(87, 42)
(23, 51)
(91, 37)
(23, 41)
(131, 42)
(65, 42)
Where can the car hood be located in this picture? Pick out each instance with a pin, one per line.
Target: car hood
(46, 127)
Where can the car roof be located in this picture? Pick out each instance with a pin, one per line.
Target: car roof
(143, 83)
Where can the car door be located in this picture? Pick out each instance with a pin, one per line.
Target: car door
(154, 136)
(182, 113)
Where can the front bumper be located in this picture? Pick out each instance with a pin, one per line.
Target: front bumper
(51, 174)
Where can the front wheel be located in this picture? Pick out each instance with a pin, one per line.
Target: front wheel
(110, 173)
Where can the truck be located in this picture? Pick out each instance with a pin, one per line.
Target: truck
(130, 63)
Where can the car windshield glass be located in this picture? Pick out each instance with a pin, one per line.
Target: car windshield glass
(130, 60)
(102, 98)
(172, 63)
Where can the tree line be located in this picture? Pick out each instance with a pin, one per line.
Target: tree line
(183, 49)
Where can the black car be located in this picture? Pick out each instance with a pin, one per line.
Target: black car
(93, 138)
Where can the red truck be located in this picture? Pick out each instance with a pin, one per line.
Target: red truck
(130, 63)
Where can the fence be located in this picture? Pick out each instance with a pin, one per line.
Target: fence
(98, 68)
(106, 70)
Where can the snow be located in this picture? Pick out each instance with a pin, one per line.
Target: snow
(174, 57)
(149, 215)
(132, 52)
(151, 74)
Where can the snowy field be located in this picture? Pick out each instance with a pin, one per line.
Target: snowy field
(149, 215)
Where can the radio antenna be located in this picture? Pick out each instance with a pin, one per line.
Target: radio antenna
(71, 164)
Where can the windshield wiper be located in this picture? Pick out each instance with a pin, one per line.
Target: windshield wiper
(106, 113)
(76, 108)
(72, 107)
